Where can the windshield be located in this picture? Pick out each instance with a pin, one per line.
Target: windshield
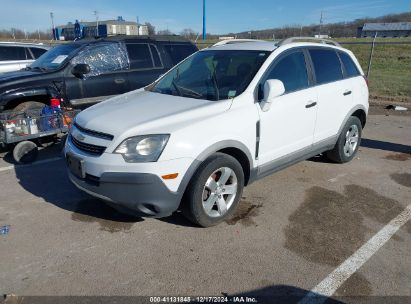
(55, 58)
(212, 75)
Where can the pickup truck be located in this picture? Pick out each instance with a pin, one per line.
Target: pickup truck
(85, 72)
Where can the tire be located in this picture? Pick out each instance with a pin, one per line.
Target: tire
(28, 106)
(32, 107)
(25, 152)
(205, 186)
(348, 142)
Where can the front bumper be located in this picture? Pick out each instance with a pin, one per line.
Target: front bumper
(133, 187)
(138, 193)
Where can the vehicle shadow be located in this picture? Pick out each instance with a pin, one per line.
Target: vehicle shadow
(282, 294)
(385, 145)
(372, 144)
(50, 182)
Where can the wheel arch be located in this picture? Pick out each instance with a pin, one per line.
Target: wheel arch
(358, 111)
(41, 94)
(233, 148)
(361, 115)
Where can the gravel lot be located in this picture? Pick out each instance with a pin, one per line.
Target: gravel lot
(292, 230)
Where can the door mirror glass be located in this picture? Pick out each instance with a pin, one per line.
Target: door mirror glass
(80, 69)
(272, 89)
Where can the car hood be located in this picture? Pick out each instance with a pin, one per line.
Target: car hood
(17, 75)
(143, 111)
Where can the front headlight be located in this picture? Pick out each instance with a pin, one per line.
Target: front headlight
(142, 149)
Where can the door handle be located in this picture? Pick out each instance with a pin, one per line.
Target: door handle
(119, 80)
(310, 105)
(346, 93)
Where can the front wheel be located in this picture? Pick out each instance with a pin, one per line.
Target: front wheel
(348, 142)
(214, 191)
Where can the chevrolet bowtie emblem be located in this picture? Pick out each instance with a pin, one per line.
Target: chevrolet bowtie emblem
(80, 137)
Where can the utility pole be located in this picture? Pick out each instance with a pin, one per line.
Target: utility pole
(204, 20)
(138, 26)
(52, 25)
(371, 54)
(321, 23)
(96, 14)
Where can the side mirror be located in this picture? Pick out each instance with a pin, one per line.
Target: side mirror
(80, 69)
(272, 89)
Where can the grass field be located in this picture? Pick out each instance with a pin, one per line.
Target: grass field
(390, 76)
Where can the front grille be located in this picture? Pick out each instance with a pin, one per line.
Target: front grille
(94, 133)
(89, 148)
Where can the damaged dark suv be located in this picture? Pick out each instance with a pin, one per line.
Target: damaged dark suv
(86, 72)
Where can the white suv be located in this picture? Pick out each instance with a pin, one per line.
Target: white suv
(218, 121)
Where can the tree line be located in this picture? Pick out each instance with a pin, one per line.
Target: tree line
(336, 30)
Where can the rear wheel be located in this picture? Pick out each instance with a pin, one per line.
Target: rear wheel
(214, 191)
(348, 142)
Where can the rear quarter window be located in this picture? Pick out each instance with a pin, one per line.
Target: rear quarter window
(327, 65)
(179, 52)
(351, 69)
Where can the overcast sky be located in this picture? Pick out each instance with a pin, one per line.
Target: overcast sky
(223, 16)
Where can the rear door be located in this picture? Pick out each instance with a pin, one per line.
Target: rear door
(334, 92)
(108, 76)
(146, 64)
(355, 77)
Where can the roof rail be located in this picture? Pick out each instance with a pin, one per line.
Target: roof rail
(298, 39)
(233, 41)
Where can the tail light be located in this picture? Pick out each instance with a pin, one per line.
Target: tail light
(55, 102)
(366, 80)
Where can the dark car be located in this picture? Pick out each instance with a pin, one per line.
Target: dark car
(86, 72)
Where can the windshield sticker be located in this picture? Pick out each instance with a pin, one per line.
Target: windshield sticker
(231, 93)
(59, 59)
(261, 54)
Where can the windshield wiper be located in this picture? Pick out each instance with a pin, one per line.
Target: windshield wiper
(37, 68)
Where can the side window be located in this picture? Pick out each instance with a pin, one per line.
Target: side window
(104, 58)
(12, 53)
(37, 52)
(179, 52)
(350, 67)
(156, 56)
(292, 71)
(327, 65)
(139, 54)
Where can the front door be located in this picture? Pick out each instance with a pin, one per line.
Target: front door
(288, 126)
(107, 78)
